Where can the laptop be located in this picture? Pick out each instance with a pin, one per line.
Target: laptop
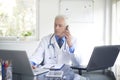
(102, 58)
(20, 62)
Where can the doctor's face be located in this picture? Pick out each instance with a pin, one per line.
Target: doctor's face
(59, 27)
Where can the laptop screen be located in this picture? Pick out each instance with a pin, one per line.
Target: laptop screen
(19, 59)
(102, 57)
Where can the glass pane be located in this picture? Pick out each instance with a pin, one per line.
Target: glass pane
(17, 18)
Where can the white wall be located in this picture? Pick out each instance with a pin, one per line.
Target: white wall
(48, 10)
(28, 46)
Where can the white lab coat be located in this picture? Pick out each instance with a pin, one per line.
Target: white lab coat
(54, 55)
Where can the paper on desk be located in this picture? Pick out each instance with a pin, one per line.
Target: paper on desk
(53, 66)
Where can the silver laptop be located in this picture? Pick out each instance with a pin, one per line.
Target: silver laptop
(102, 57)
(20, 62)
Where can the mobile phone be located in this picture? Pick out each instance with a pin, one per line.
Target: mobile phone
(67, 27)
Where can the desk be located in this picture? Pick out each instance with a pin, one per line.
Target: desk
(99, 75)
(68, 75)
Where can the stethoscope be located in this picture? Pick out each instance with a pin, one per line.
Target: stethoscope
(52, 47)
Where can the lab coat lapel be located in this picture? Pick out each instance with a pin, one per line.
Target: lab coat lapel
(55, 42)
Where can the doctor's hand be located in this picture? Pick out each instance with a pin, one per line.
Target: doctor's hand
(34, 65)
(68, 38)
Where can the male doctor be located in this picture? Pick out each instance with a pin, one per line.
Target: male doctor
(56, 48)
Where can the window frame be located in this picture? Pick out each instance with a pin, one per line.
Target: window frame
(27, 39)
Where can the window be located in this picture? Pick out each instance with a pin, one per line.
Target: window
(116, 22)
(18, 20)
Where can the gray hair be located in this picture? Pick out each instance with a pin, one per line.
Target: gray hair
(62, 17)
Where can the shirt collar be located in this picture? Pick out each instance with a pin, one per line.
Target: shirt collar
(56, 37)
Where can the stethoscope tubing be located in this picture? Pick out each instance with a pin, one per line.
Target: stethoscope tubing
(52, 45)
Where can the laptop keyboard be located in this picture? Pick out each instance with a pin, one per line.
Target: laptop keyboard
(55, 74)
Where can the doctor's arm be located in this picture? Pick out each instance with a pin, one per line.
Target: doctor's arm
(75, 54)
(69, 41)
(72, 43)
(37, 57)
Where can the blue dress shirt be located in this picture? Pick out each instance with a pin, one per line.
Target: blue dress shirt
(71, 49)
